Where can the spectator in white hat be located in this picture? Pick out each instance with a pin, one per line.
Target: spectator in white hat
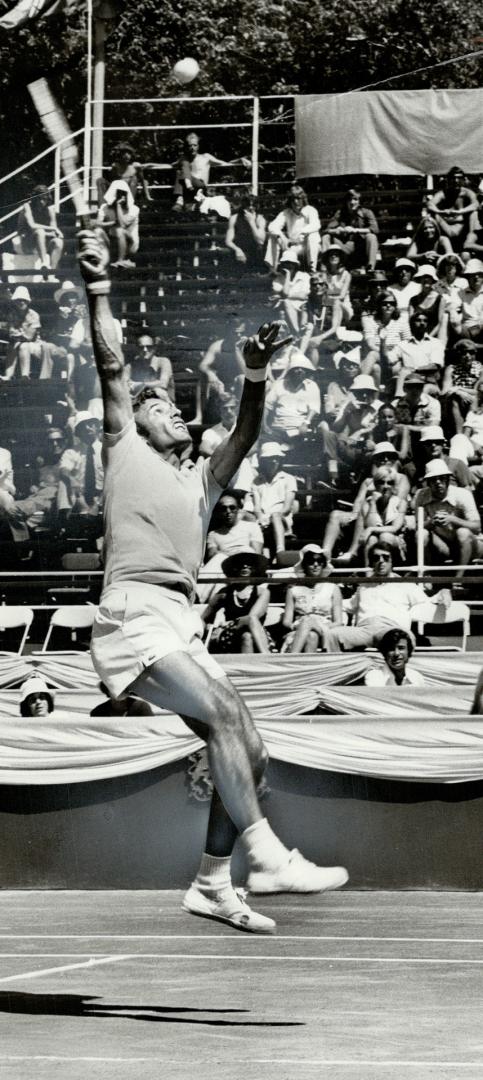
(311, 606)
(29, 355)
(434, 447)
(293, 401)
(452, 526)
(383, 454)
(273, 495)
(403, 287)
(296, 229)
(81, 470)
(67, 298)
(291, 288)
(416, 409)
(429, 299)
(468, 321)
(348, 365)
(345, 440)
(36, 699)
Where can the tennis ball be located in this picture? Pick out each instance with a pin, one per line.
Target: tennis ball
(186, 70)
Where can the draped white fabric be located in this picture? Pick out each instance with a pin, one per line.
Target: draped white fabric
(412, 733)
(388, 131)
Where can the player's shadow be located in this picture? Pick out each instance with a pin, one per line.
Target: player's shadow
(15, 1001)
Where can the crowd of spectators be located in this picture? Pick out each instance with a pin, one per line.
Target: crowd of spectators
(374, 410)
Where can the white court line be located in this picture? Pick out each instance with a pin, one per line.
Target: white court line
(356, 1064)
(65, 967)
(214, 937)
(243, 959)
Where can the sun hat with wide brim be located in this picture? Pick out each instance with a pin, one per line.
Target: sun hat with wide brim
(435, 469)
(257, 563)
(426, 270)
(67, 289)
(34, 685)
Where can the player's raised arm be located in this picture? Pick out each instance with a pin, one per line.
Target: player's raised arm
(257, 352)
(94, 266)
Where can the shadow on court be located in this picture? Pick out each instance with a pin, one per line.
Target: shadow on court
(82, 1005)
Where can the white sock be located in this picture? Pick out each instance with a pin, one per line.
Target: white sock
(213, 874)
(263, 848)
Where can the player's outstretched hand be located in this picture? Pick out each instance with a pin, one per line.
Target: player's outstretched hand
(259, 349)
(93, 253)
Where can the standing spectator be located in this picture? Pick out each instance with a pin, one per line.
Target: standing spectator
(311, 606)
(452, 207)
(39, 231)
(452, 526)
(246, 233)
(147, 367)
(354, 228)
(396, 647)
(295, 228)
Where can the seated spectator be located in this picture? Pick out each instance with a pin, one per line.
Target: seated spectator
(474, 241)
(39, 231)
(193, 172)
(36, 698)
(123, 166)
(242, 606)
(403, 286)
(382, 332)
(246, 233)
(429, 299)
(292, 286)
(6, 472)
(385, 431)
(338, 285)
(147, 367)
(433, 447)
(381, 518)
(379, 606)
(345, 440)
(461, 378)
(383, 455)
(293, 401)
(348, 365)
(29, 356)
(469, 445)
(377, 284)
(451, 272)
(468, 320)
(420, 352)
(229, 533)
(296, 229)
(428, 242)
(354, 228)
(452, 526)
(212, 437)
(81, 472)
(126, 705)
(415, 409)
(396, 647)
(452, 206)
(222, 363)
(310, 606)
(273, 496)
(119, 216)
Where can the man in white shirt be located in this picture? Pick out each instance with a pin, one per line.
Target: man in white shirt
(297, 227)
(293, 401)
(273, 494)
(452, 526)
(396, 647)
(421, 352)
(380, 606)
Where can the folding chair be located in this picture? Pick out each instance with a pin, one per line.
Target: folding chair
(12, 616)
(72, 617)
(431, 615)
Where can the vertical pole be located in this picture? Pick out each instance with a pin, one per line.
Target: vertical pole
(420, 540)
(57, 179)
(255, 143)
(88, 107)
(98, 101)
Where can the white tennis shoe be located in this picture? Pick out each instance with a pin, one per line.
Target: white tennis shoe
(297, 875)
(231, 908)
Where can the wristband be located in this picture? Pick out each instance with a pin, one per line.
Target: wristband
(256, 374)
(98, 288)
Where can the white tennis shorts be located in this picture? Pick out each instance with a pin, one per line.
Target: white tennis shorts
(137, 624)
